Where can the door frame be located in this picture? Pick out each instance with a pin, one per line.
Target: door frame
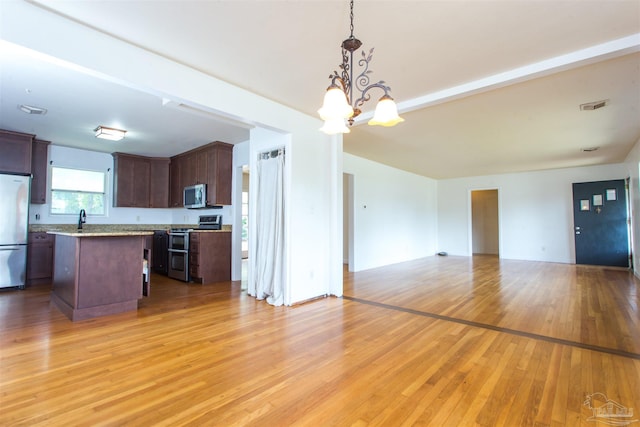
(470, 218)
(628, 211)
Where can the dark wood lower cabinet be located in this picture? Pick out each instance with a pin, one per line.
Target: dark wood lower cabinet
(160, 259)
(40, 258)
(210, 256)
(97, 276)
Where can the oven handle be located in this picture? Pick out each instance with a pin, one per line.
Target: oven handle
(181, 233)
(182, 251)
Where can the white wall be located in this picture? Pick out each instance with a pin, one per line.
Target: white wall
(632, 163)
(536, 214)
(395, 216)
(240, 158)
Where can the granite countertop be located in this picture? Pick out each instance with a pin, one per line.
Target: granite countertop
(104, 229)
(82, 233)
(99, 228)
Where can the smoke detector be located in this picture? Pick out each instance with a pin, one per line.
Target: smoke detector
(32, 110)
(594, 105)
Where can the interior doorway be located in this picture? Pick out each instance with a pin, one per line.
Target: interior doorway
(245, 212)
(244, 242)
(347, 220)
(485, 222)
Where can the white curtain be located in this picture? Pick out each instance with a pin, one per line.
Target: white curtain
(268, 263)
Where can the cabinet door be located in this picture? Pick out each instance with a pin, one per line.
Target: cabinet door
(175, 182)
(188, 169)
(123, 181)
(40, 257)
(141, 175)
(159, 183)
(131, 181)
(202, 173)
(220, 165)
(39, 159)
(160, 255)
(15, 152)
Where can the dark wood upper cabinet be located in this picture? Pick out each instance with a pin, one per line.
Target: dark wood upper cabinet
(159, 183)
(219, 168)
(15, 152)
(131, 181)
(175, 182)
(141, 183)
(211, 164)
(202, 167)
(39, 163)
(188, 168)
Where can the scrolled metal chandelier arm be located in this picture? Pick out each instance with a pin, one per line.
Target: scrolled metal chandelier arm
(362, 81)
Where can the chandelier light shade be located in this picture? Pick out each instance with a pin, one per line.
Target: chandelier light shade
(334, 126)
(386, 113)
(335, 105)
(111, 134)
(340, 107)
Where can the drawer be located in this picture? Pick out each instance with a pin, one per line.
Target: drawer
(40, 237)
(194, 246)
(194, 237)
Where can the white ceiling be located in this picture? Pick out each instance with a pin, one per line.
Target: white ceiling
(485, 86)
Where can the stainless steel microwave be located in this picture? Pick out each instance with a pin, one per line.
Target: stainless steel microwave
(195, 196)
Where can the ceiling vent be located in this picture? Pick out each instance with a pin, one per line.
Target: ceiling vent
(594, 105)
(32, 110)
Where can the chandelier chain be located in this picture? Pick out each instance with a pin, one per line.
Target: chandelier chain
(351, 16)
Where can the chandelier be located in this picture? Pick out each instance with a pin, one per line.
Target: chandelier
(339, 104)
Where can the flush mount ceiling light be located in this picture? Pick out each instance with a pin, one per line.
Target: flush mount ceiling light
(109, 133)
(338, 100)
(29, 109)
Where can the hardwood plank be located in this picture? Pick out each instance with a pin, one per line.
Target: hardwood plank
(439, 341)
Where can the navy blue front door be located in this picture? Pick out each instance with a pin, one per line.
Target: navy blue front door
(600, 219)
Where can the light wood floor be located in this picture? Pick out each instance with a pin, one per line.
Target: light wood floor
(440, 341)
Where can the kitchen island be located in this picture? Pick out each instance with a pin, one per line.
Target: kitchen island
(98, 273)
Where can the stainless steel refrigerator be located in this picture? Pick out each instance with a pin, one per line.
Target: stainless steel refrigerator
(14, 223)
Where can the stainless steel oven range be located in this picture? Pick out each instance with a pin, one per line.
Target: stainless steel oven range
(178, 267)
(178, 263)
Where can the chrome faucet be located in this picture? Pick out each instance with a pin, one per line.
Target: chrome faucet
(82, 219)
